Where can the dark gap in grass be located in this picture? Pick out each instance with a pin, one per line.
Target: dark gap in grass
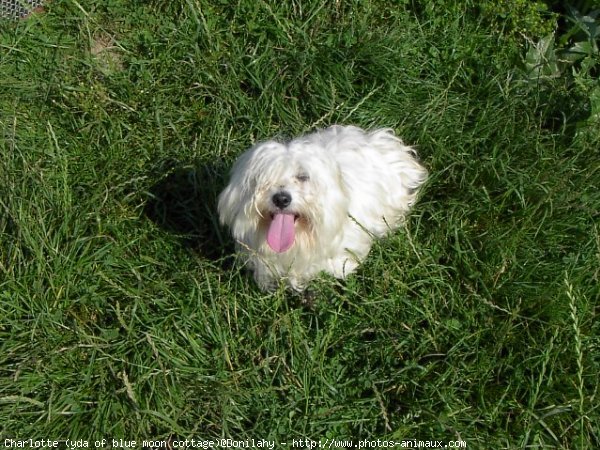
(9, 232)
(561, 109)
(562, 9)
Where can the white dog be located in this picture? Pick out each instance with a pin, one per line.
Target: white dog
(315, 204)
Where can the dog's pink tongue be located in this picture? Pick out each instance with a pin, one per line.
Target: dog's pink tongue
(281, 232)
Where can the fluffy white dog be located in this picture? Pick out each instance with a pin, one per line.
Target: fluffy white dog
(316, 203)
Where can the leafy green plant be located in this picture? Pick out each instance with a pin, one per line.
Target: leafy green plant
(574, 55)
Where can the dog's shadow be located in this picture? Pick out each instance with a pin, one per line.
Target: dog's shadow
(184, 202)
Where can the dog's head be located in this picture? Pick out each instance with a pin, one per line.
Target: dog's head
(283, 195)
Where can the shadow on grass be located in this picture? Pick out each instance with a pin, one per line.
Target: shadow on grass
(184, 203)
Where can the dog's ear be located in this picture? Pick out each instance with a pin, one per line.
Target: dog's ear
(238, 194)
(228, 205)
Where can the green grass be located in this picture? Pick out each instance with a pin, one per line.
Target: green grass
(122, 314)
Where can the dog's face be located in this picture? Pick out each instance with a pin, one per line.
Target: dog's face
(282, 196)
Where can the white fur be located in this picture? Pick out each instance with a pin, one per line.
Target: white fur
(348, 186)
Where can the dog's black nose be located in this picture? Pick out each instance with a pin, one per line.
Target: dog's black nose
(282, 199)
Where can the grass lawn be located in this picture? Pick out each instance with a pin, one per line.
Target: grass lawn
(123, 313)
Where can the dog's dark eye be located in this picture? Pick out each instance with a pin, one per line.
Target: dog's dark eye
(303, 178)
